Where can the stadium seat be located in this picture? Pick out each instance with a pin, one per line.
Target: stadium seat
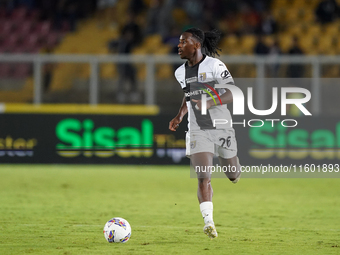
(3, 14)
(19, 49)
(329, 71)
(248, 43)
(314, 29)
(298, 4)
(43, 28)
(293, 15)
(152, 42)
(33, 15)
(309, 44)
(229, 44)
(31, 41)
(326, 44)
(52, 39)
(308, 15)
(285, 41)
(5, 70)
(24, 28)
(297, 29)
(33, 49)
(179, 15)
(5, 49)
(108, 71)
(11, 41)
(22, 70)
(280, 15)
(162, 50)
(331, 29)
(19, 14)
(6, 27)
(280, 4)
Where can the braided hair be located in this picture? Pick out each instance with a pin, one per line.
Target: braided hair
(208, 40)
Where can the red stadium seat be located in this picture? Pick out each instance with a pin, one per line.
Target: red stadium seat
(6, 27)
(19, 14)
(22, 70)
(33, 15)
(11, 41)
(33, 50)
(52, 39)
(24, 27)
(31, 41)
(3, 13)
(43, 28)
(5, 70)
(5, 49)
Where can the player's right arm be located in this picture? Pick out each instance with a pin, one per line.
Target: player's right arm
(174, 123)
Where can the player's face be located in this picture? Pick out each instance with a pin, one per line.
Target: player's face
(187, 46)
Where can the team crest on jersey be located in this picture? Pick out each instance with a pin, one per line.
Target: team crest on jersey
(192, 144)
(202, 76)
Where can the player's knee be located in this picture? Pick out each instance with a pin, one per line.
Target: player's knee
(203, 181)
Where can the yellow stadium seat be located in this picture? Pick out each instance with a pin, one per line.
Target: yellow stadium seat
(229, 44)
(179, 15)
(299, 4)
(285, 41)
(268, 40)
(313, 4)
(164, 71)
(108, 71)
(280, 4)
(280, 14)
(162, 50)
(309, 44)
(307, 15)
(314, 29)
(139, 50)
(332, 29)
(331, 71)
(296, 29)
(326, 45)
(293, 15)
(229, 41)
(248, 43)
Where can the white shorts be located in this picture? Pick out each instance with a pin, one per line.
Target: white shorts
(220, 142)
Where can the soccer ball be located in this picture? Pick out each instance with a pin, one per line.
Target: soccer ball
(117, 230)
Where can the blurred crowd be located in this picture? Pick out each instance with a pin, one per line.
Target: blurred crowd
(64, 13)
(169, 17)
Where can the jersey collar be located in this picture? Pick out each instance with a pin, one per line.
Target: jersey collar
(187, 66)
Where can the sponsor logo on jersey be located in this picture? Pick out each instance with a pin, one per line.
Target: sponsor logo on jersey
(193, 93)
(225, 74)
(191, 80)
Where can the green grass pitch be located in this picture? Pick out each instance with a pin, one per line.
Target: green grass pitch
(61, 209)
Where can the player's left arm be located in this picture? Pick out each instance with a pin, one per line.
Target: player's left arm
(222, 76)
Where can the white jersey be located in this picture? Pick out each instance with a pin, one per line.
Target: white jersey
(200, 79)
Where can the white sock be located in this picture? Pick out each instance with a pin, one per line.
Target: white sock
(207, 212)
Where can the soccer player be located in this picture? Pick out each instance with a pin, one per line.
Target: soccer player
(197, 76)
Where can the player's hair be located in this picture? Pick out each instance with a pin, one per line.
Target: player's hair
(208, 40)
